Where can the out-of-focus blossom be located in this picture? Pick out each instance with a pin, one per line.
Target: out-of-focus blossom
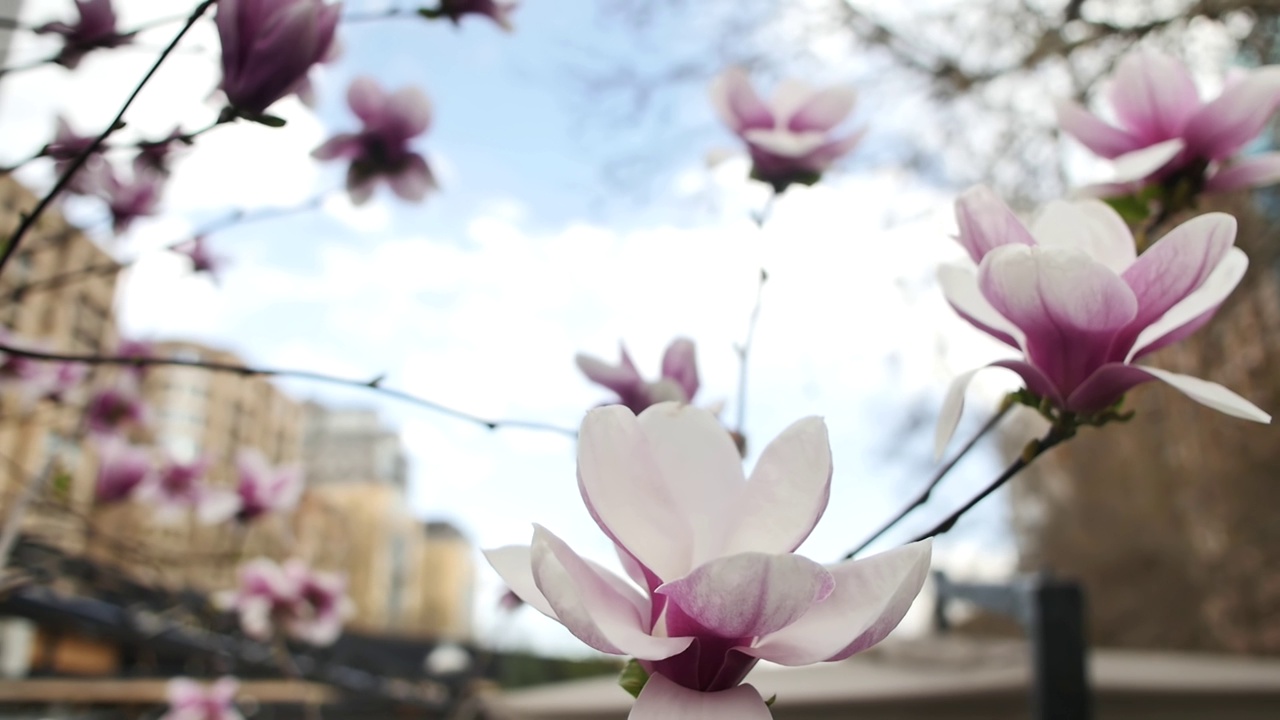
(64, 379)
(180, 486)
(157, 155)
(263, 489)
(189, 700)
(95, 28)
(132, 198)
(66, 146)
(268, 46)
(122, 468)
(135, 349)
(203, 260)
(712, 554)
(112, 410)
(380, 151)
(1165, 132)
(790, 137)
(497, 11)
(1072, 295)
(679, 381)
(509, 601)
(31, 380)
(307, 606)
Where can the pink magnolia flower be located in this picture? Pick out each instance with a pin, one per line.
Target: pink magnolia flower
(180, 486)
(64, 380)
(679, 381)
(112, 410)
(96, 28)
(128, 200)
(307, 606)
(203, 260)
(455, 10)
(1073, 297)
(381, 150)
(32, 380)
(790, 137)
(135, 349)
(268, 46)
(189, 700)
(1165, 131)
(122, 468)
(263, 489)
(66, 146)
(157, 155)
(712, 554)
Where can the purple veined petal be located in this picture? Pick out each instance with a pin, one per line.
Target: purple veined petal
(1258, 171)
(1177, 264)
(680, 364)
(515, 565)
(749, 594)
(1069, 306)
(591, 607)
(700, 464)
(737, 103)
(345, 145)
(960, 288)
(1153, 95)
(1220, 128)
(987, 223)
(1194, 310)
(1103, 139)
(623, 488)
(367, 100)
(414, 180)
(662, 699)
(1087, 225)
(953, 404)
(785, 143)
(787, 492)
(823, 110)
(870, 598)
(1139, 165)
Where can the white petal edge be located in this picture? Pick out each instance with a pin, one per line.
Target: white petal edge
(1088, 225)
(1215, 289)
(960, 287)
(662, 699)
(1211, 395)
(1139, 164)
(514, 564)
(787, 491)
(952, 408)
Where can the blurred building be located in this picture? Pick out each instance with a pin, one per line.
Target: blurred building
(58, 290)
(344, 444)
(445, 598)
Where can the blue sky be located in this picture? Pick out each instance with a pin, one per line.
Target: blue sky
(480, 297)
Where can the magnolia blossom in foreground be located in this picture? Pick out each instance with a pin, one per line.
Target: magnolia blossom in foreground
(1082, 307)
(190, 700)
(263, 489)
(1165, 130)
(380, 151)
(308, 606)
(95, 28)
(268, 46)
(203, 260)
(712, 554)
(455, 10)
(122, 468)
(679, 381)
(790, 137)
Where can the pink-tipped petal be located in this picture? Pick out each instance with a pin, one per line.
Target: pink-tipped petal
(987, 223)
(1196, 309)
(367, 99)
(1237, 116)
(787, 491)
(621, 379)
(627, 494)
(1258, 171)
(1211, 394)
(960, 288)
(749, 594)
(1105, 140)
(514, 564)
(1179, 263)
(870, 598)
(1088, 225)
(737, 103)
(591, 607)
(680, 365)
(823, 110)
(662, 699)
(1153, 95)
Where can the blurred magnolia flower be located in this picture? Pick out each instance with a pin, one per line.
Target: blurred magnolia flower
(128, 200)
(203, 260)
(95, 28)
(63, 380)
(509, 601)
(1166, 133)
(189, 700)
(679, 381)
(1082, 307)
(790, 137)
(307, 606)
(66, 146)
(135, 349)
(178, 487)
(268, 46)
(380, 151)
(112, 410)
(122, 468)
(263, 489)
(31, 380)
(712, 554)
(497, 11)
(157, 155)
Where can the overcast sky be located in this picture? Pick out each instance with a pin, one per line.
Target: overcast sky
(480, 297)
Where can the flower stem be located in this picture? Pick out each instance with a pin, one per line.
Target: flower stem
(744, 350)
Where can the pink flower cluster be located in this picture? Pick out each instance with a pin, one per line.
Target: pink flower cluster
(289, 600)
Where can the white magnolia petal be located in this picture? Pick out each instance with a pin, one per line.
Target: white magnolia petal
(787, 491)
(514, 564)
(1215, 289)
(1211, 394)
(1140, 164)
(786, 143)
(1088, 225)
(960, 288)
(952, 408)
(662, 699)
